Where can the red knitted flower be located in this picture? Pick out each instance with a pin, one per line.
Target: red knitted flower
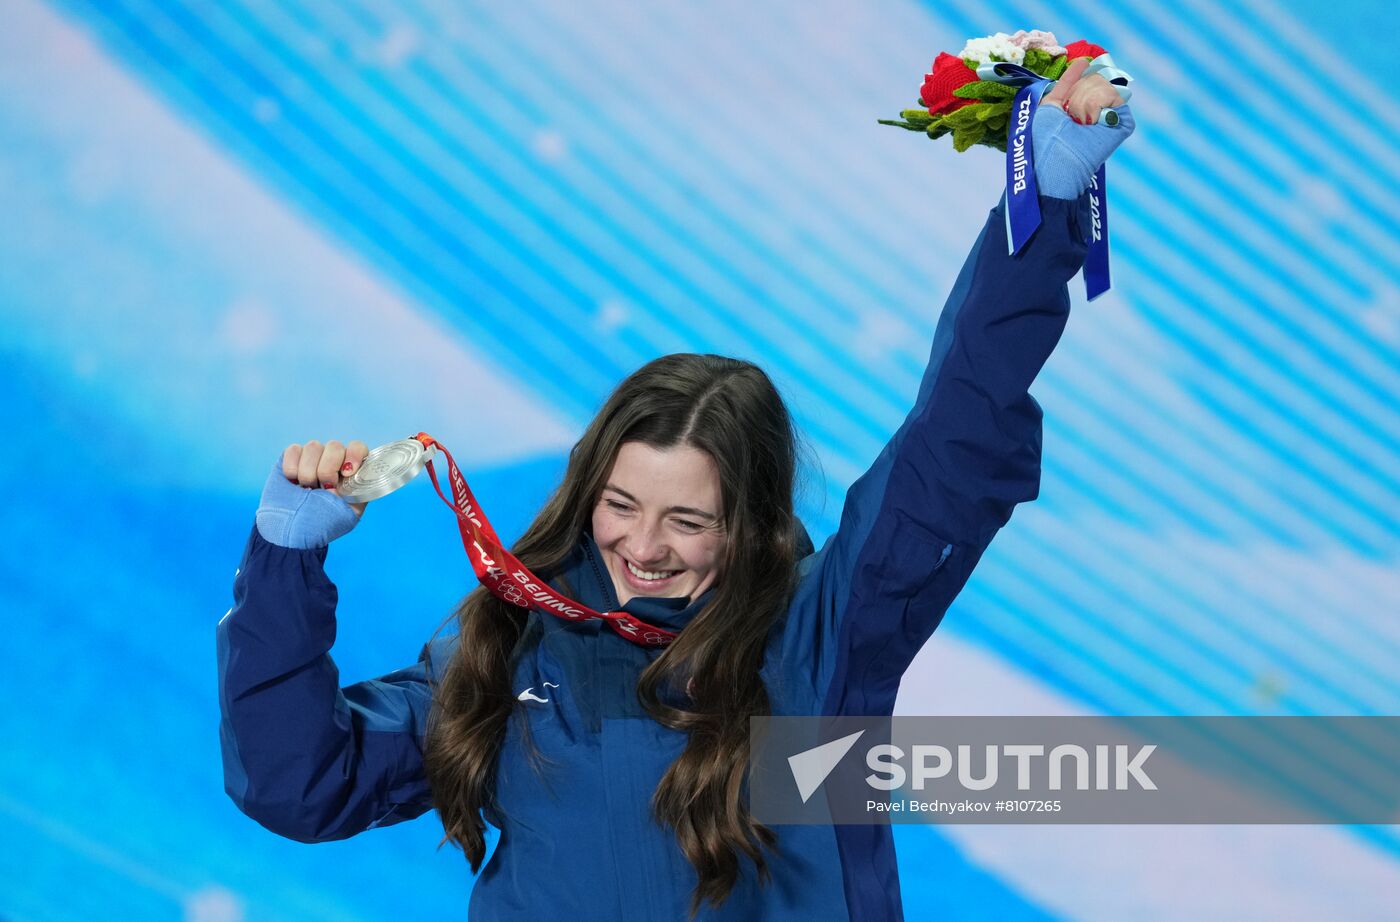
(949, 73)
(1082, 49)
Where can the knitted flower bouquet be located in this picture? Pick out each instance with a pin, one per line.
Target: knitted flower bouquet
(975, 111)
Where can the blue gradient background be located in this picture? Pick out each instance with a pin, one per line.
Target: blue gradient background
(231, 226)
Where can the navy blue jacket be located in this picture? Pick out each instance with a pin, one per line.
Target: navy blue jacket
(313, 761)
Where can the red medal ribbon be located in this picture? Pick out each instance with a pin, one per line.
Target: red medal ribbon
(508, 578)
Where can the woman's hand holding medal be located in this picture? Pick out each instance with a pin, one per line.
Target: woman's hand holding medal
(300, 506)
(314, 465)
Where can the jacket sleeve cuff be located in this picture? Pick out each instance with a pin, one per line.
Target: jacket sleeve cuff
(293, 516)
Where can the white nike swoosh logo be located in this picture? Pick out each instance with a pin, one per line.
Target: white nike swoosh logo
(529, 693)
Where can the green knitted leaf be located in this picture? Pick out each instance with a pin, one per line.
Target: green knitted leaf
(985, 89)
(990, 110)
(1057, 68)
(965, 117)
(977, 110)
(917, 117)
(936, 130)
(998, 123)
(1037, 59)
(897, 124)
(963, 138)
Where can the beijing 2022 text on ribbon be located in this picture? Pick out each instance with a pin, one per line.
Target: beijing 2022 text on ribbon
(1022, 198)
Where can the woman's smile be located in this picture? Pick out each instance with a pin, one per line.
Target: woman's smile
(649, 577)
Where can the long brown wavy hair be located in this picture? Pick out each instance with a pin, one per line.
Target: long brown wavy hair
(731, 410)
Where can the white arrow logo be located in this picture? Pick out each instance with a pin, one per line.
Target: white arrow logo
(810, 768)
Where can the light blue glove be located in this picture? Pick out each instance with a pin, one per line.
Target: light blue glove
(1067, 155)
(297, 517)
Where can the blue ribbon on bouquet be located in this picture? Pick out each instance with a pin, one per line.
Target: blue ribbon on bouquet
(1022, 196)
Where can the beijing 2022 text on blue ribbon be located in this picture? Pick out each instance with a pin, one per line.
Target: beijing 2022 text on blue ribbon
(1022, 196)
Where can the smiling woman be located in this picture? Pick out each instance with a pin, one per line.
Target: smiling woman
(658, 524)
(621, 794)
(686, 475)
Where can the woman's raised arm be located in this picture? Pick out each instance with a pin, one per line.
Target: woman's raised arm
(914, 525)
(304, 757)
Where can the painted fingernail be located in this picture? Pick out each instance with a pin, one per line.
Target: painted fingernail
(327, 486)
(345, 468)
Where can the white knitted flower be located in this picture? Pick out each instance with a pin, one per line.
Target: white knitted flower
(997, 47)
(1035, 38)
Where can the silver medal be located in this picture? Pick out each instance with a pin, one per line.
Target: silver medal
(385, 469)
